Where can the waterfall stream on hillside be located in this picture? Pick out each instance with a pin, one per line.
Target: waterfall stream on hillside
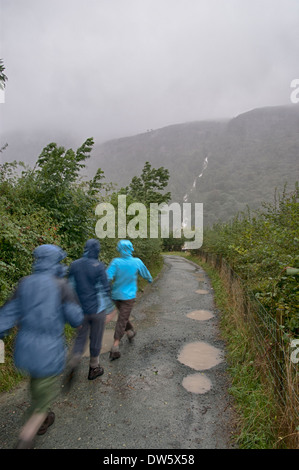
(205, 164)
(186, 197)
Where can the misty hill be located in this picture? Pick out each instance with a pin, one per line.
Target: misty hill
(241, 161)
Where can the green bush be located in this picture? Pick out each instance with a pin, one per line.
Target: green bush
(51, 204)
(260, 247)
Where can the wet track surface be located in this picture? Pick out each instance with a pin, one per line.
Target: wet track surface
(167, 391)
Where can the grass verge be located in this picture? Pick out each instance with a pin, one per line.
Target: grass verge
(154, 269)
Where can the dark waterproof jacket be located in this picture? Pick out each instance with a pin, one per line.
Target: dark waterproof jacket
(89, 279)
(41, 306)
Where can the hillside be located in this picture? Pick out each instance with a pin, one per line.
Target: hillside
(241, 160)
(181, 148)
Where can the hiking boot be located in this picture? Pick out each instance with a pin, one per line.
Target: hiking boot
(95, 372)
(48, 422)
(131, 334)
(114, 353)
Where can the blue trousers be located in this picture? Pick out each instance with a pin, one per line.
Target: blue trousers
(94, 325)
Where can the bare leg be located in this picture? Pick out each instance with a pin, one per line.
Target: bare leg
(29, 430)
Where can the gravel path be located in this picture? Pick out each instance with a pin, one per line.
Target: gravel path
(167, 391)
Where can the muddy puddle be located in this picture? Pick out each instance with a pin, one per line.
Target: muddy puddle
(200, 315)
(200, 355)
(197, 383)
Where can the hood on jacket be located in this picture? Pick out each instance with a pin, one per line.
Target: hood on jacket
(125, 248)
(92, 248)
(47, 258)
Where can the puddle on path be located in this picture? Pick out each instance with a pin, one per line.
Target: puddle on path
(200, 355)
(197, 383)
(201, 291)
(200, 315)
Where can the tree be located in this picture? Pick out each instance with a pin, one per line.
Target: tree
(69, 200)
(147, 187)
(3, 77)
(55, 186)
(3, 147)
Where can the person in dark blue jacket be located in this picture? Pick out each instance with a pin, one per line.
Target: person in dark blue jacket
(41, 305)
(89, 279)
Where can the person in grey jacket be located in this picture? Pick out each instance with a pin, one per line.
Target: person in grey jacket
(40, 306)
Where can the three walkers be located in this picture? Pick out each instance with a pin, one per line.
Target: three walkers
(45, 301)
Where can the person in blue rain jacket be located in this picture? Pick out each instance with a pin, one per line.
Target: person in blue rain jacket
(40, 306)
(123, 271)
(88, 277)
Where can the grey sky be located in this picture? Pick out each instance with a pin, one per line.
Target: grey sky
(110, 68)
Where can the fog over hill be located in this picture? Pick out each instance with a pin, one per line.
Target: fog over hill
(226, 165)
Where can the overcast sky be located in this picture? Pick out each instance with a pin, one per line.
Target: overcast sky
(112, 68)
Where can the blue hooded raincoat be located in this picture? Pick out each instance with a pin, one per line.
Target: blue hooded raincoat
(124, 272)
(40, 306)
(88, 276)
